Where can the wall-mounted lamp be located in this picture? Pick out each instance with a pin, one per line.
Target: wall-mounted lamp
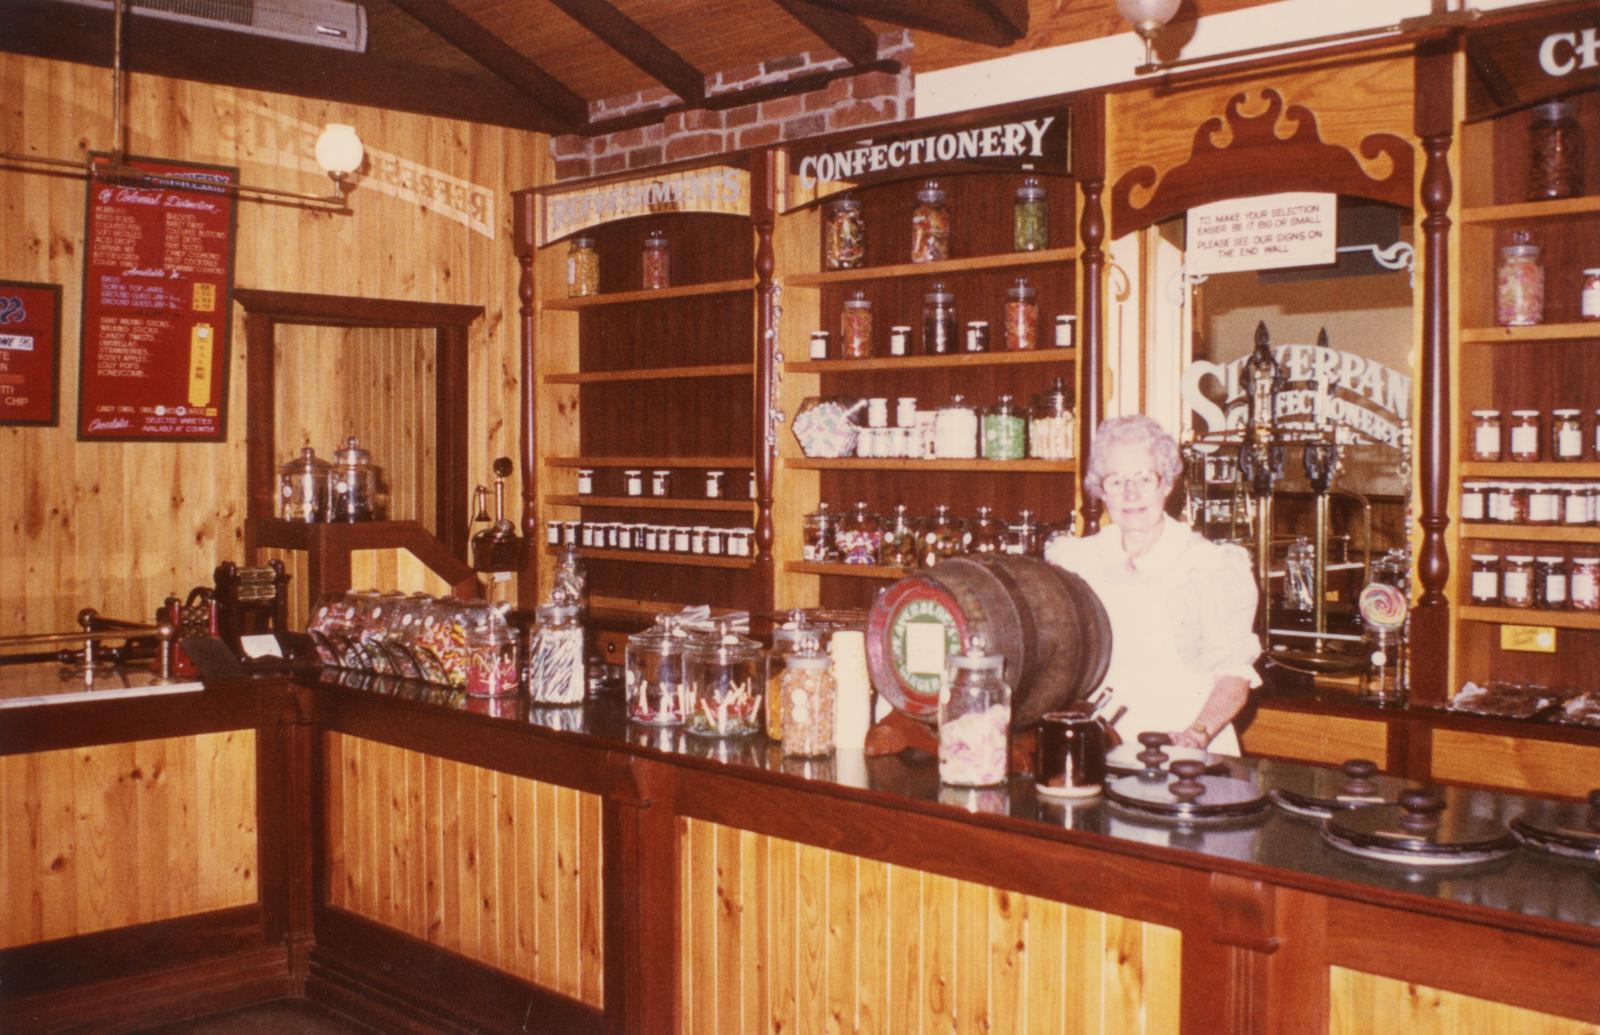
(1148, 18)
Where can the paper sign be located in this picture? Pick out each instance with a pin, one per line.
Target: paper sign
(30, 353)
(1271, 231)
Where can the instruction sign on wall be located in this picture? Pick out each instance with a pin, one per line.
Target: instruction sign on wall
(1267, 232)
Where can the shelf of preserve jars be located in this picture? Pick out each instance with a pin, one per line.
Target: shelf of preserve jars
(858, 543)
(1536, 587)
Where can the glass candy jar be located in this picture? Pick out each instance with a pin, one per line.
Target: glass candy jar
(352, 483)
(723, 673)
(1484, 586)
(1519, 284)
(1516, 581)
(899, 546)
(491, 658)
(930, 225)
(819, 530)
(1030, 222)
(844, 235)
(1566, 435)
(855, 327)
(654, 674)
(939, 322)
(656, 260)
(941, 537)
(1022, 316)
(1525, 435)
(303, 488)
(1050, 424)
(974, 719)
(1485, 436)
(787, 640)
(1555, 153)
(809, 694)
(555, 655)
(985, 533)
(955, 431)
(583, 268)
(859, 536)
(1004, 433)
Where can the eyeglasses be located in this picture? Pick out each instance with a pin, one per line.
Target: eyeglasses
(1143, 481)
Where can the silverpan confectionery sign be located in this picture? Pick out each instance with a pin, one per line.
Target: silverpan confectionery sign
(716, 188)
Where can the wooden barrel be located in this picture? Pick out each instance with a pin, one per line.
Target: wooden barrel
(1046, 622)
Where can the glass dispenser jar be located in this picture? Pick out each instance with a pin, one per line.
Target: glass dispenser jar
(1022, 316)
(303, 488)
(1525, 435)
(930, 225)
(654, 674)
(352, 483)
(1550, 583)
(818, 529)
(723, 672)
(809, 694)
(1005, 436)
(583, 268)
(1030, 218)
(855, 327)
(942, 536)
(899, 546)
(656, 262)
(939, 322)
(974, 719)
(491, 658)
(555, 654)
(1519, 284)
(1050, 424)
(986, 533)
(859, 537)
(1555, 153)
(844, 235)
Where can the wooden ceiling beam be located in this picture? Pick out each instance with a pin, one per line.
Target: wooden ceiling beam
(850, 37)
(996, 23)
(494, 54)
(635, 43)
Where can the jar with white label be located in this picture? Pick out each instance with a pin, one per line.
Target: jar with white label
(585, 481)
(1583, 590)
(1550, 583)
(1485, 584)
(955, 431)
(633, 482)
(1576, 504)
(661, 483)
(1589, 301)
(1516, 581)
(819, 345)
(714, 485)
(1474, 500)
(905, 411)
(1544, 504)
(977, 336)
(900, 340)
(1566, 435)
(878, 413)
(1485, 436)
(1525, 436)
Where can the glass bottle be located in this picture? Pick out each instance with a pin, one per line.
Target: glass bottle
(1004, 433)
(1022, 316)
(1555, 153)
(1030, 219)
(974, 719)
(985, 534)
(939, 322)
(930, 225)
(977, 339)
(855, 327)
(657, 261)
(654, 674)
(723, 674)
(1051, 433)
(844, 236)
(899, 546)
(859, 536)
(818, 528)
(1519, 284)
(809, 695)
(303, 488)
(583, 268)
(942, 537)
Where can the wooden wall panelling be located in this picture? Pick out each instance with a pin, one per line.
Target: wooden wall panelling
(1324, 739)
(1367, 1003)
(498, 868)
(111, 835)
(118, 526)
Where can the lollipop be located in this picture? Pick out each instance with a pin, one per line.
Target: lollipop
(1382, 606)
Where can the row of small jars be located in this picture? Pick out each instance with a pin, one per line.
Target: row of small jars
(1548, 583)
(624, 535)
(1527, 437)
(1520, 286)
(939, 327)
(1531, 503)
(661, 482)
(583, 265)
(844, 226)
(903, 540)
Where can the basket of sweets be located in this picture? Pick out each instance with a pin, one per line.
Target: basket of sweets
(827, 428)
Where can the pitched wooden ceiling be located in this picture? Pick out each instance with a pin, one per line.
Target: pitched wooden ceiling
(537, 64)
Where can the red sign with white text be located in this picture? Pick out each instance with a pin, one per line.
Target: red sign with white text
(157, 293)
(30, 352)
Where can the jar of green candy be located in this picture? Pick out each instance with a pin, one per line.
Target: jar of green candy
(1030, 220)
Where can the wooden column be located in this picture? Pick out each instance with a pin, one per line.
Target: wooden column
(524, 211)
(642, 900)
(1089, 166)
(763, 202)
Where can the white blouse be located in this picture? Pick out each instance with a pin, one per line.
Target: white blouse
(1181, 615)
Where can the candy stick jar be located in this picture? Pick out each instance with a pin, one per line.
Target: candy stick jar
(654, 681)
(723, 673)
(555, 663)
(974, 718)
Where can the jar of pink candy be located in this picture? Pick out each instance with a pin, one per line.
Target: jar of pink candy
(974, 718)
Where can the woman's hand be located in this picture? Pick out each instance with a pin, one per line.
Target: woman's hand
(1189, 738)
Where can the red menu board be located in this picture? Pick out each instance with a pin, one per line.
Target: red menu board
(157, 292)
(30, 352)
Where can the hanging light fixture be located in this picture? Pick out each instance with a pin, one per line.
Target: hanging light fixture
(1148, 18)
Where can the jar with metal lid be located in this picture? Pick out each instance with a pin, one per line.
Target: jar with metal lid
(556, 673)
(585, 481)
(1005, 436)
(1589, 299)
(898, 548)
(1022, 536)
(1474, 500)
(657, 261)
(1550, 583)
(1525, 435)
(491, 649)
(352, 483)
(583, 268)
(724, 675)
(855, 327)
(985, 532)
(818, 528)
(714, 484)
(955, 430)
(1485, 581)
(942, 536)
(1544, 504)
(939, 321)
(1583, 589)
(1051, 434)
(930, 225)
(1516, 581)
(844, 235)
(1566, 435)
(859, 536)
(1485, 436)
(974, 718)
(900, 340)
(661, 482)
(654, 674)
(1066, 330)
(1022, 316)
(1555, 153)
(633, 481)
(1519, 284)
(809, 695)
(977, 339)
(1030, 218)
(303, 488)
(697, 538)
(1575, 506)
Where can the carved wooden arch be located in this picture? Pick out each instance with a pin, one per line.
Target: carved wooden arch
(1259, 161)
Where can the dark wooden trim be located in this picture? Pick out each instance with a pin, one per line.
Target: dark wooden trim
(261, 413)
(848, 35)
(329, 545)
(398, 983)
(1088, 143)
(51, 727)
(640, 885)
(996, 23)
(635, 43)
(524, 238)
(451, 403)
(348, 311)
(763, 196)
(542, 90)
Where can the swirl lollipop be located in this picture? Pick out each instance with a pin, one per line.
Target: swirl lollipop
(1382, 606)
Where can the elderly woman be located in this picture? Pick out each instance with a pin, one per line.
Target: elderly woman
(1182, 608)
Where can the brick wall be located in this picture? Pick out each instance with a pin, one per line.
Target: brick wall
(848, 102)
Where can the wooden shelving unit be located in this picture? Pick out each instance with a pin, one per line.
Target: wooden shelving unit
(986, 466)
(954, 361)
(649, 503)
(686, 560)
(652, 374)
(667, 294)
(1549, 470)
(1530, 533)
(1585, 331)
(855, 571)
(1529, 616)
(708, 462)
(1522, 211)
(946, 267)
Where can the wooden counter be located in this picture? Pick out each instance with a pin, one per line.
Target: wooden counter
(429, 863)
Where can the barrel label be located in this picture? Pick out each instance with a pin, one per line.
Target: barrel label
(922, 636)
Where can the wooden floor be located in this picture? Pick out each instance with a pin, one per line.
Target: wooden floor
(284, 1017)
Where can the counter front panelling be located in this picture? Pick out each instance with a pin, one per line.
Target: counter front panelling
(1514, 762)
(501, 869)
(1315, 738)
(111, 835)
(1362, 1003)
(779, 936)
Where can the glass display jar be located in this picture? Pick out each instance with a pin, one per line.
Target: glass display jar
(1566, 435)
(1555, 153)
(723, 673)
(859, 537)
(977, 338)
(1550, 583)
(1022, 536)
(1484, 586)
(985, 533)
(1474, 501)
(955, 430)
(1544, 504)
(1584, 584)
(555, 649)
(844, 235)
(1516, 581)
(1022, 316)
(1485, 437)
(661, 482)
(898, 549)
(930, 225)
(1589, 299)
(819, 345)
(1576, 506)
(585, 481)
(1051, 424)
(974, 719)
(656, 260)
(1524, 436)
(653, 680)
(900, 340)
(352, 483)
(818, 545)
(303, 488)
(788, 640)
(1030, 218)
(583, 268)
(1005, 435)
(941, 537)
(939, 321)
(1519, 284)
(855, 327)
(808, 695)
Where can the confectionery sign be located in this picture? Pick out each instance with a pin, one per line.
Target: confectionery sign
(30, 353)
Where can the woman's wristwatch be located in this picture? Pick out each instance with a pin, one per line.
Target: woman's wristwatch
(1203, 730)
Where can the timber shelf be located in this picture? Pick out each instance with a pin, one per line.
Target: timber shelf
(690, 560)
(1524, 210)
(953, 361)
(720, 287)
(886, 572)
(650, 461)
(1531, 533)
(1529, 616)
(649, 503)
(1583, 331)
(983, 466)
(1554, 469)
(1004, 260)
(652, 374)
